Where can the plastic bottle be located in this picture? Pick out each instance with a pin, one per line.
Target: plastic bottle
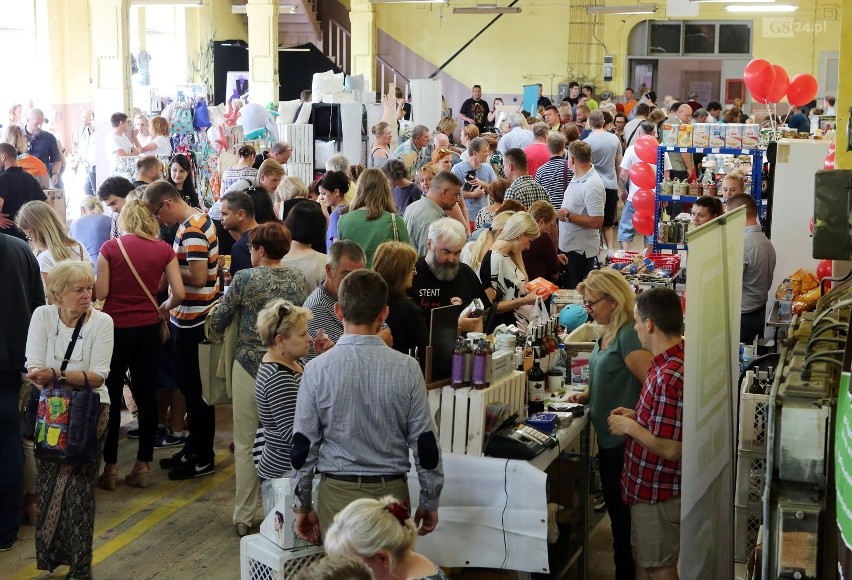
(479, 376)
(457, 369)
(536, 386)
(785, 304)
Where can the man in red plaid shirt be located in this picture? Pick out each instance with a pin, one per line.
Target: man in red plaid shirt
(652, 467)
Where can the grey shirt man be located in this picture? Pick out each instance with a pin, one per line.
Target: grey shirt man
(418, 217)
(361, 407)
(758, 268)
(584, 196)
(605, 147)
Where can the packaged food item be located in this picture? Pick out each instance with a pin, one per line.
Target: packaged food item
(669, 134)
(750, 136)
(580, 368)
(684, 135)
(733, 136)
(716, 135)
(542, 287)
(701, 135)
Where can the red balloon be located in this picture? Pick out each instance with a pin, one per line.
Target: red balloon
(811, 225)
(643, 176)
(779, 86)
(643, 201)
(643, 223)
(646, 149)
(823, 269)
(832, 147)
(829, 161)
(759, 76)
(802, 90)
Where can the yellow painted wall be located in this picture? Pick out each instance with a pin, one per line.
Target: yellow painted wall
(62, 29)
(536, 42)
(225, 26)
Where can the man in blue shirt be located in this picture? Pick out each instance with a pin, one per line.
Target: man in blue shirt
(799, 120)
(43, 145)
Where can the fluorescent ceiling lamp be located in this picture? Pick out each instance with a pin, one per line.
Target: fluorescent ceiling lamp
(409, 1)
(487, 9)
(632, 9)
(282, 9)
(171, 3)
(739, 8)
(734, 1)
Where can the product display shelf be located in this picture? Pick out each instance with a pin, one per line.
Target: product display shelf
(756, 185)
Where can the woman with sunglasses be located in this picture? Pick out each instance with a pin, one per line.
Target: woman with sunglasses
(618, 366)
(250, 291)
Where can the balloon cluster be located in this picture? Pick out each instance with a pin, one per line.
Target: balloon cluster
(643, 176)
(769, 83)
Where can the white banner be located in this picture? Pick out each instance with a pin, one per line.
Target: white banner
(713, 298)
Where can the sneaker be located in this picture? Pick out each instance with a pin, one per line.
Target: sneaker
(600, 504)
(161, 432)
(169, 439)
(192, 469)
(178, 459)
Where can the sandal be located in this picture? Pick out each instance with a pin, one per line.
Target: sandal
(138, 478)
(107, 482)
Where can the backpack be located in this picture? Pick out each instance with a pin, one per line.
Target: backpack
(182, 122)
(201, 119)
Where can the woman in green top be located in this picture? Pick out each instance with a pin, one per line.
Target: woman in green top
(617, 369)
(372, 217)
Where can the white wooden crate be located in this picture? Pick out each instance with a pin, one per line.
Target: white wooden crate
(301, 138)
(260, 559)
(461, 425)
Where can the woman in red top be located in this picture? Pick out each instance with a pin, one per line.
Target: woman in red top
(137, 322)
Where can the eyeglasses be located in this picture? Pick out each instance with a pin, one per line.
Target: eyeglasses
(588, 305)
(286, 310)
(444, 150)
(157, 213)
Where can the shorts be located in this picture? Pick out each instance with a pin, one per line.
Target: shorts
(626, 231)
(655, 532)
(610, 207)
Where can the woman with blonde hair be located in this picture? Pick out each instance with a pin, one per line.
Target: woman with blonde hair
(291, 191)
(380, 152)
(381, 533)
(160, 133)
(92, 228)
(137, 316)
(733, 184)
(14, 136)
(503, 274)
(475, 250)
(447, 126)
(425, 175)
(618, 367)
(395, 262)
(372, 217)
(46, 233)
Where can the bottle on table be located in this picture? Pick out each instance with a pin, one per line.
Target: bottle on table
(536, 386)
(457, 369)
(480, 378)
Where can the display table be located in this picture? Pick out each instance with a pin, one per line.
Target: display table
(493, 512)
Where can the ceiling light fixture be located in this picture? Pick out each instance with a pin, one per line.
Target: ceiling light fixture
(487, 9)
(633, 9)
(409, 1)
(765, 8)
(733, 1)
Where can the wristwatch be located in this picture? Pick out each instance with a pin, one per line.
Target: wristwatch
(62, 378)
(568, 217)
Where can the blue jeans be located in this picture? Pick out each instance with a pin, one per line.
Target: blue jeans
(626, 231)
(11, 458)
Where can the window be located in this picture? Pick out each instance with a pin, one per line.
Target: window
(699, 38)
(664, 38)
(734, 39)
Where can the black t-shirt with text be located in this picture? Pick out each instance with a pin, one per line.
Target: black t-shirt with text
(429, 292)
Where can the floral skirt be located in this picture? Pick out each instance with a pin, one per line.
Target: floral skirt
(66, 508)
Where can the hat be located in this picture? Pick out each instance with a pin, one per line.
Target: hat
(572, 317)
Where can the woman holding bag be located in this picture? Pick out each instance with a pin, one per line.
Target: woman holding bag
(69, 344)
(372, 217)
(129, 273)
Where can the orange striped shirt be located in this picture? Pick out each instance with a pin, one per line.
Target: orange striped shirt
(196, 240)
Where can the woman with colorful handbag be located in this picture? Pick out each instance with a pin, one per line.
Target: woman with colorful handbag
(70, 344)
(129, 273)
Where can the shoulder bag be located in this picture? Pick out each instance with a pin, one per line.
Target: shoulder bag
(66, 425)
(395, 227)
(164, 324)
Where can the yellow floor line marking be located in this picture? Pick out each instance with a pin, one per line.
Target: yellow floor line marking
(159, 515)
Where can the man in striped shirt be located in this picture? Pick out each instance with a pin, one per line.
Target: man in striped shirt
(197, 251)
(555, 175)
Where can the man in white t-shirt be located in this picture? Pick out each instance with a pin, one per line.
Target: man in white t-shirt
(119, 143)
(626, 231)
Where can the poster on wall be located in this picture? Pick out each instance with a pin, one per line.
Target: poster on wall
(236, 85)
(531, 99)
(710, 373)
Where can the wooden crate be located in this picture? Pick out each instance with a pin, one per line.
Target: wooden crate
(461, 412)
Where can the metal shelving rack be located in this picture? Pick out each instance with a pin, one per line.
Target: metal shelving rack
(756, 184)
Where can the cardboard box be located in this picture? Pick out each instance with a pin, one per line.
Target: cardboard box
(733, 136)
(716, 135)
(750, 136)
(701, 135)
(669, 134)
(684, 135)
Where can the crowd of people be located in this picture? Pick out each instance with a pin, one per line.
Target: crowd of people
(328, 288)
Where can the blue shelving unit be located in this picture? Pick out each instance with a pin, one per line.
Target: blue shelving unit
(756, 184)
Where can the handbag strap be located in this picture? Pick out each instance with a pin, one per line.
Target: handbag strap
(74, 336)
(395, 230)
(136, 275)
